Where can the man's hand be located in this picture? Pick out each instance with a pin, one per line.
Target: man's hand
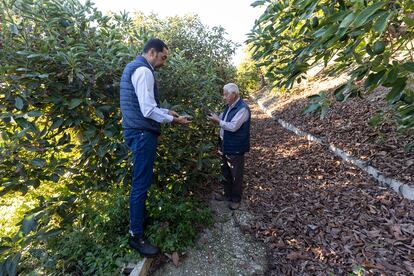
(214, 117)
(181, 120)
(173, 113)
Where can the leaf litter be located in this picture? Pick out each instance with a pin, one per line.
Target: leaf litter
(318, 215)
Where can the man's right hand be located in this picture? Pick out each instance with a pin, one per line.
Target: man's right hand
(181, 120)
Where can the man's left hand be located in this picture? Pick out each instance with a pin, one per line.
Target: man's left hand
(214, 117)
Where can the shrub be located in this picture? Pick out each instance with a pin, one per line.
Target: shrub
(60, 126)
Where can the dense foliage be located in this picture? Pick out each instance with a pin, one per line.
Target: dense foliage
(249, 77)
(371, 39)
(192, 81)
(61, 146)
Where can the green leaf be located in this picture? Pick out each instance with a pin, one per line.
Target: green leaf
(34, 113)
(369, 50)
(74, 103)
(320, 32)
(382, 22)
(312, 107)
(347, 21)
(376, 120)
(395, 93)
(258, 3)
(43, 76)
(99, 114)
(4, 248)
(11, 264)
(69, 148)
(409, 66)
(374, 80)
(14, 29)
(38, 162)
(340, 97)
(365, 14)
(314, 97)
(29, 223)
(409, 21)
(392, 76)
(18, 102)
(339, 92)
(108, 133)
(405, 110)
(22, 122)
(56, 124)
(34, 55)
(324, 111)
(54, 177)
(102, 150)
(329, 32)
(49, 234)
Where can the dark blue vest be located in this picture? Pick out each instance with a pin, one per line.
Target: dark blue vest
(238, 142)
(132, 117)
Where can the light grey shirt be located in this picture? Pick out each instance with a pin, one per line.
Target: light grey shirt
(236, 122)
(143, 82)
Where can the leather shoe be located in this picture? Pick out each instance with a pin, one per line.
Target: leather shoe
(143, 246)
(220, 197)
(234, 205)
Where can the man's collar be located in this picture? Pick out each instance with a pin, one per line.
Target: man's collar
(148, 63)
(234, 104)
(151, 66)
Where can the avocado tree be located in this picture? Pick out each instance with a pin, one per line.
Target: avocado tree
(61, 141)
(249, 77)
(371, 39)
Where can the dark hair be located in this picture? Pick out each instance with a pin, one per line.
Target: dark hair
(155, 43)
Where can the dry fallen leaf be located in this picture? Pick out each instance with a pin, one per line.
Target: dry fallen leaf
(175, 258)
(409, 266)
(374, 233)
(396, 231)
(353, 214)
(296, 256)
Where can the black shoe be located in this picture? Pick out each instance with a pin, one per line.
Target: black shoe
(234, 205)
(220, 197)
(143, 246)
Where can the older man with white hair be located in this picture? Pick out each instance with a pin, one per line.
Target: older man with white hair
(234, 125)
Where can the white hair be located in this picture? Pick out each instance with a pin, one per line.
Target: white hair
(231, 88)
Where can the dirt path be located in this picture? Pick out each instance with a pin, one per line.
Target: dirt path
(318, 215)
(223, 249)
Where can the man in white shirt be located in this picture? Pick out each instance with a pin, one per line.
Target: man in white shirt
(234, 125)
(141, 120)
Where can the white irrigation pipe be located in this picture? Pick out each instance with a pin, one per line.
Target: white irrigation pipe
(404, 189)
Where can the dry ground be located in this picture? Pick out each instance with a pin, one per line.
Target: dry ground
(318, 215)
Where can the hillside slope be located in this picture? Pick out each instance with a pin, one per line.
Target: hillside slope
(346, 125)
(319, 215)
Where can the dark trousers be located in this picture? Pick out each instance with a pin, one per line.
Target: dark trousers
(232, 170)
(143, 145)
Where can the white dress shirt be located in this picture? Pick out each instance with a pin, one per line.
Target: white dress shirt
(143, 82)
(236, 122)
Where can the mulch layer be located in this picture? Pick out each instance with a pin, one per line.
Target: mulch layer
(346, 125)
(318, 215)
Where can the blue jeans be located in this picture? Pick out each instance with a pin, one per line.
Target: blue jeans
(143, 145)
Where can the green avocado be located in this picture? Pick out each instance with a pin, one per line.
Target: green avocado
(315, 22)
(379, 47)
